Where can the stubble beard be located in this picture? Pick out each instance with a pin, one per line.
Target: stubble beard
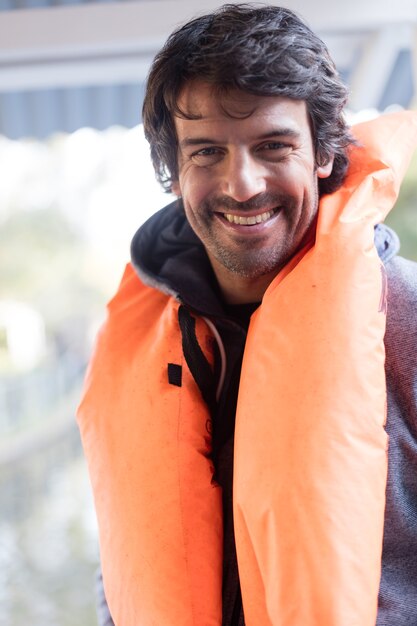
(256, 262)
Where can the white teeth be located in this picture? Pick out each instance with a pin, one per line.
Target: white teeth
(249, 221)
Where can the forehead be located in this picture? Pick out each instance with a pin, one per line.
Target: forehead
(203, 104)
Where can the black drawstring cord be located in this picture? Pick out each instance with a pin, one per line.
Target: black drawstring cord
(197, 363)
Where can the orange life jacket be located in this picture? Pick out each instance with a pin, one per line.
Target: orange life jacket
(310, 448)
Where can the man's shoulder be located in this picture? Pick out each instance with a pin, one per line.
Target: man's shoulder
(401, 272)
(402, 282)
(401, 331)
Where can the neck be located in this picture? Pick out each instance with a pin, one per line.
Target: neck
(238, 289)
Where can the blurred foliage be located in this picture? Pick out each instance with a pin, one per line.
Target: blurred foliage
(403, 217)
(32, 245)
(49, 552)
(42, 262)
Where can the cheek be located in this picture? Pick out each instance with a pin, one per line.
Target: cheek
(288, 176)
(195, 188)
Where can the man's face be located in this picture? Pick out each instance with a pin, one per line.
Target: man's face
(247, 177)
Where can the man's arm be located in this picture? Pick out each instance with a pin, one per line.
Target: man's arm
(103, 612)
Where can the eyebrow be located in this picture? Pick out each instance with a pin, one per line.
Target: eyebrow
(196, 141)
(275, 132)
(281, 132)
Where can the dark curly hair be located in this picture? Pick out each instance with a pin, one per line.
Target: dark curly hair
(263, 50)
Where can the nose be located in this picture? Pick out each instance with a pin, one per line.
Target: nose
(243, 176)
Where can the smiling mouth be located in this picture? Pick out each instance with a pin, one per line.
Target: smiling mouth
(250, 220)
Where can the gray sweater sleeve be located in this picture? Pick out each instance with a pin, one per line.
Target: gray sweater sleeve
(103, 613)
(398, 588)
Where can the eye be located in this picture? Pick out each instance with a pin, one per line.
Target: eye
(274, 149)
(207, 156)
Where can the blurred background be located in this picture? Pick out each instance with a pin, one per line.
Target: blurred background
(75, 184)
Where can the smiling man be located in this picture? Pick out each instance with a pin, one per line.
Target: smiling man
(233, 416)
(248, 179)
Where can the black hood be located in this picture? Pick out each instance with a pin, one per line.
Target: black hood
(167, 255)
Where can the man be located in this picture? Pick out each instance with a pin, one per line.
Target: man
(244, 115)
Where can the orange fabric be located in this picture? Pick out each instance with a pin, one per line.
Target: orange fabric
(310, 451)
(311, 467)
(148, 446)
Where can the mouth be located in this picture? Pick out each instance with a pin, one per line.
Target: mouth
(249, 220)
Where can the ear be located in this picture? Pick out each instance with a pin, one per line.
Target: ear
(175, 188)
(324, 171)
